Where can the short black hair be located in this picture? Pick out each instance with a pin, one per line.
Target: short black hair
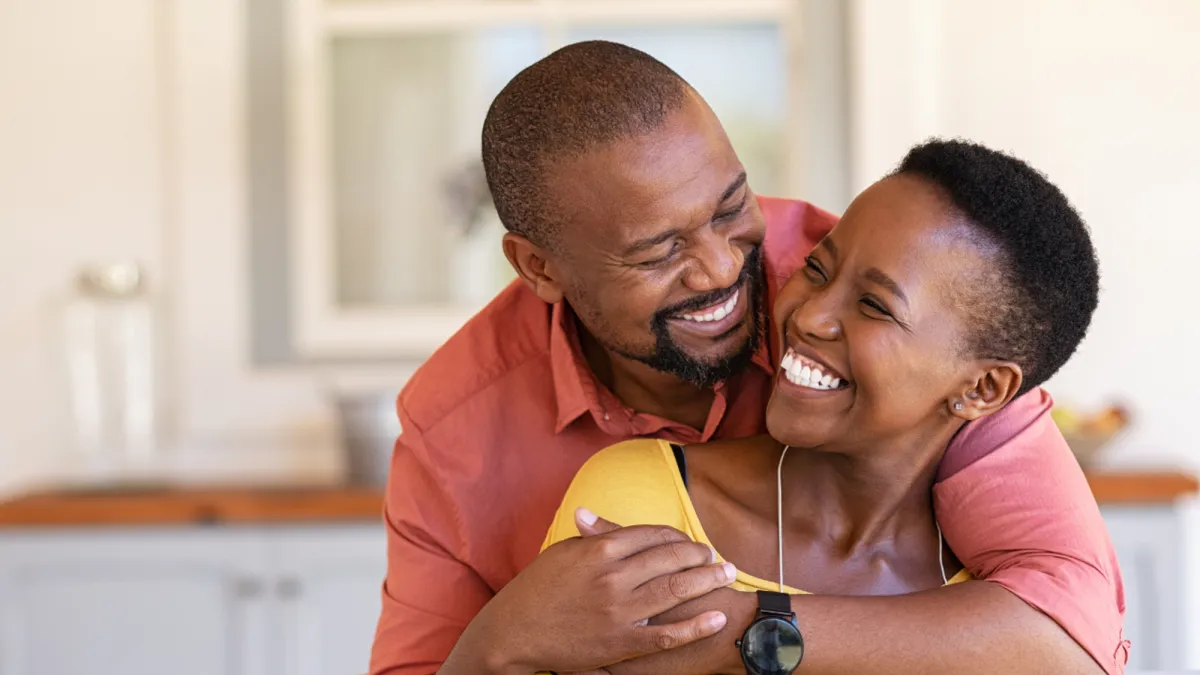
(580, 96)
(1047, 281)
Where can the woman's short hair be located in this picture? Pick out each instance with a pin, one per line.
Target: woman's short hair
(1035, 306)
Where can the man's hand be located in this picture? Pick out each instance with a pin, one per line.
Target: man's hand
(585, 603)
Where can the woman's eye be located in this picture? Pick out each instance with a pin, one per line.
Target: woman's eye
(875, 306)
(813, 269)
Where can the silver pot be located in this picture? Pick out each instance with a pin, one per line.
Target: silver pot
(369, 430)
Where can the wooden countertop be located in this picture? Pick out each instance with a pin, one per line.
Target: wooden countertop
(277, 506)
(193, 507)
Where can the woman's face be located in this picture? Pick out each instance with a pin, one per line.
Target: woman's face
(881, 311)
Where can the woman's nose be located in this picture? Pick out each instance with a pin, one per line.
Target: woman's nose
(717, 263)
(815, 318)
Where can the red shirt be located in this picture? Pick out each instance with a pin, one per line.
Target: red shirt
(498, 421)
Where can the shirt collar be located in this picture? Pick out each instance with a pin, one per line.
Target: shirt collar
(567, 367)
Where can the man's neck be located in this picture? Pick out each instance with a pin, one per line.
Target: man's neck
(644, 389)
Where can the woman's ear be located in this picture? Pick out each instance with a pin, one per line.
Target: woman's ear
(988, 392)
(532, 264)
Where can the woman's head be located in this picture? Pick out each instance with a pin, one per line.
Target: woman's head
(954, 284)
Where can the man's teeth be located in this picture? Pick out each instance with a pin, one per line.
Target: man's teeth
(717, 314)
(805, 373)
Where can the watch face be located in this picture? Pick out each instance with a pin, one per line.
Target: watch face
(772, 646)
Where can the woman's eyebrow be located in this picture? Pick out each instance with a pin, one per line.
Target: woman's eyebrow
(877, 276)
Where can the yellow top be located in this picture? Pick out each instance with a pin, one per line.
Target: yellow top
(638, 483)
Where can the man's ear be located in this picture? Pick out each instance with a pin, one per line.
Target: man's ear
(532, 264)
(988, 392)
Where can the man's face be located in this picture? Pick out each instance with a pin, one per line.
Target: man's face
(660, 247)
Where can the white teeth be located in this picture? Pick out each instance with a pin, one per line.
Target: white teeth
(797, 372)
(717, 314)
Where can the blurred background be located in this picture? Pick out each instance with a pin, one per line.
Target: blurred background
(231, 229)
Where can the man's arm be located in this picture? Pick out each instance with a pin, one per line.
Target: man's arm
(1017, 511)
(429, 596)
(440, 616)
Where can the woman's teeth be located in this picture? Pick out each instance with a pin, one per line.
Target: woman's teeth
(714, 314)
(806, 373)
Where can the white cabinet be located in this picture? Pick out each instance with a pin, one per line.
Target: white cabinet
(1149, 544)
(195, 601)
(328, 591)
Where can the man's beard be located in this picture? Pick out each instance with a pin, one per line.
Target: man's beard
(669, 357)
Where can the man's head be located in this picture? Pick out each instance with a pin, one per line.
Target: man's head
(623, 196)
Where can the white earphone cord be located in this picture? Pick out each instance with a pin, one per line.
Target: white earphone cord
(779, 522)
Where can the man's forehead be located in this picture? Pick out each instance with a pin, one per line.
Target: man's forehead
(630, 188)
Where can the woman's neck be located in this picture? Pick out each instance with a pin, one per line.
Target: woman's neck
(863, 497)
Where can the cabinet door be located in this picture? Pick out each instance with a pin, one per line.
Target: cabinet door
(1147, 544)
(140, 602)
(328, 585)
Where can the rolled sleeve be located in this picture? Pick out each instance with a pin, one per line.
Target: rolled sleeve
(1022, 515)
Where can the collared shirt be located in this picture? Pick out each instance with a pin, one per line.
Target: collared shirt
(499, 420)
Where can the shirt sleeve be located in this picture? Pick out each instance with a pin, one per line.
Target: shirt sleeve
(430, 594)
(1019, 513)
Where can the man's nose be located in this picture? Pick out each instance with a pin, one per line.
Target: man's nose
(716, 264)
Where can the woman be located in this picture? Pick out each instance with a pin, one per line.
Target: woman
(948, 288)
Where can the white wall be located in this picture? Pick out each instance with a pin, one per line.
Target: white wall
(1104, 96)
(122, 136)
(80, 179)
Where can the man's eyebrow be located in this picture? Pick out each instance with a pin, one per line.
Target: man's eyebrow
(650, 242)
(887, 282)
(733, 187)
(828, 245)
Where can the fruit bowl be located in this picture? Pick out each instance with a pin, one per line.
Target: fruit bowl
(1088, 434)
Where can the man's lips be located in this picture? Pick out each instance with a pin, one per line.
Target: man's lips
(716, 319)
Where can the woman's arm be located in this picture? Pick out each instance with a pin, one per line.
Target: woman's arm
(963, 629)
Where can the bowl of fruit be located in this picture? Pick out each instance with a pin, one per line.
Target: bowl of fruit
(1087, 433)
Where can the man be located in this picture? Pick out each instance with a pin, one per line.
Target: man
(647, 269)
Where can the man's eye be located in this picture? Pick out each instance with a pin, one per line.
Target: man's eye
(813, 269)
(661, 260)
(731, 214)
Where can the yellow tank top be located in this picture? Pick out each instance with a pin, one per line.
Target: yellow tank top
(638, 483)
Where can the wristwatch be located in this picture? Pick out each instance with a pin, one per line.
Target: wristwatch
(772, 644)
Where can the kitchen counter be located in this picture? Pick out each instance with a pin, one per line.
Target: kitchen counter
(192, 507)
(267, 505)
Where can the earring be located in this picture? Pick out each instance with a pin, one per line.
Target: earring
(958, 405)
(973, 394)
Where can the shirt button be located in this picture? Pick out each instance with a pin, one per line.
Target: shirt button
(605, 417)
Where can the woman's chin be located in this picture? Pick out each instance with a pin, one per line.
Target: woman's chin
(801, 431)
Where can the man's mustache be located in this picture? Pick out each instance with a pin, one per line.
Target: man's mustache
(749, 266)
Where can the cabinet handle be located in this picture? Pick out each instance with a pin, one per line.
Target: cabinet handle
(247, 588)
(288, 589)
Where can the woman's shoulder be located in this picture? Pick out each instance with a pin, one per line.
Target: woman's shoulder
(631, 483)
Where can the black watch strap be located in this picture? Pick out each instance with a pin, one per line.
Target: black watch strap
(775, 603)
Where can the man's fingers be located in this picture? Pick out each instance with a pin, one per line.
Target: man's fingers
(627, 541)
(654, 639)
(666, 559)
(666, 592)
(589, 524)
